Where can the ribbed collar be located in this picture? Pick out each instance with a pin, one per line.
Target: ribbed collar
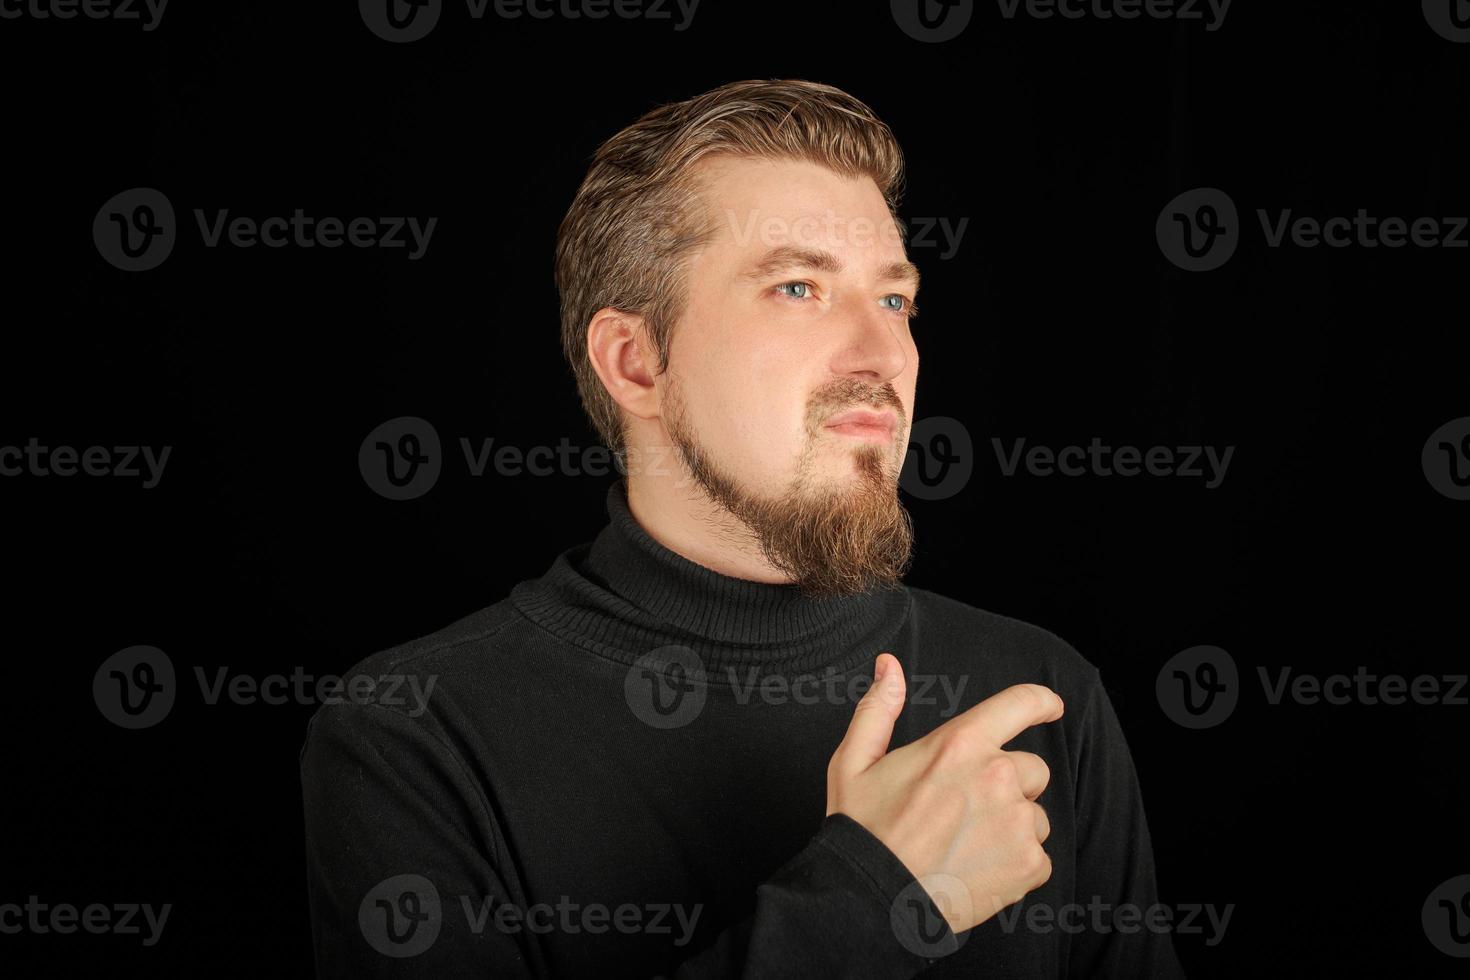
(625, 596)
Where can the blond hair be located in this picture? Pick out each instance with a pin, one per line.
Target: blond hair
(637, 214)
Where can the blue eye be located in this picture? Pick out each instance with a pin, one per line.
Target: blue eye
(804, 287)
(898, 304)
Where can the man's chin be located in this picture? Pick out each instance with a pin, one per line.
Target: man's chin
(840, 543)
(855, 471)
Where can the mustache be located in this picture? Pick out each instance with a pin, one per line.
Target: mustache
(849, 393)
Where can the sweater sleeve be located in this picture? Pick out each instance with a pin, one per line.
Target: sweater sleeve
(1115, 862)
(398, 858)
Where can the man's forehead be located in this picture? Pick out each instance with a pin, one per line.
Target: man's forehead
(731, 170)
(826, 238)
(768, 213)
(789, 190)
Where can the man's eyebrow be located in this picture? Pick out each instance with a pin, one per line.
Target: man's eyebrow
(900, 272)
(792, 257)
(785, 257)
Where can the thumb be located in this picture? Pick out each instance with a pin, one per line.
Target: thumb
(872, 720)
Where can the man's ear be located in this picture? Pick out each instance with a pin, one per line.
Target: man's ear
(621, 353)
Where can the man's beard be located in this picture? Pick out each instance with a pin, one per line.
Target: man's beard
(831, 541)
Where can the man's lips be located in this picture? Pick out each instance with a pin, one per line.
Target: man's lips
(865, 424)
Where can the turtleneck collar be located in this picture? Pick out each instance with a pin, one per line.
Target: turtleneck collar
(625, 596)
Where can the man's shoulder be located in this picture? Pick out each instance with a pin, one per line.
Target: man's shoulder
(990, 651)
(462, 653)
(960, 633)
(449, 646)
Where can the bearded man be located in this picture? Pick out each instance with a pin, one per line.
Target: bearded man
(693, 747)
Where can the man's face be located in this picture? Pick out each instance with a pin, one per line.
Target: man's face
(790, 384)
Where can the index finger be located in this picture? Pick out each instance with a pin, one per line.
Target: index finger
(1003, 716)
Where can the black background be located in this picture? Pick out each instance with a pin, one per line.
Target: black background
(1059, 319)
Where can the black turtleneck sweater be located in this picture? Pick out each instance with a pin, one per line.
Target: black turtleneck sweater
(620, 771)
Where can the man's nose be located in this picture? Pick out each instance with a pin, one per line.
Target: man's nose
(876, 343)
